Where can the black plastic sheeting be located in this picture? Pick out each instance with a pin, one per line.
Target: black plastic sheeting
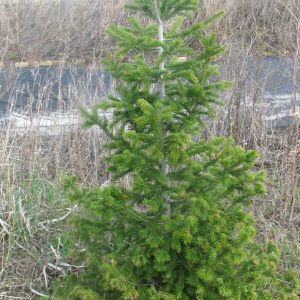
(49, 88)
(54, 88)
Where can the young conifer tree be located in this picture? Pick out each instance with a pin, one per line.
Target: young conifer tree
(180, 230)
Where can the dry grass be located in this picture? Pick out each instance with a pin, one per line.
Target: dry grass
(32, 163)
(35, 30)
(269, 26)
(32, 202)
(33, 159)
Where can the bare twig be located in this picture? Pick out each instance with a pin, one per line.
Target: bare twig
(58, 219)
(38, 293)
(45, 277)
(55, 268)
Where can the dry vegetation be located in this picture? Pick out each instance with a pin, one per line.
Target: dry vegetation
(69, 29)
(33, 210)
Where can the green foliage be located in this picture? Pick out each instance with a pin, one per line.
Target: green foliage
(180, 231)
(167, 8)
(13, 55)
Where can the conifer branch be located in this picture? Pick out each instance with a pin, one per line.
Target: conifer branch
(130, 211)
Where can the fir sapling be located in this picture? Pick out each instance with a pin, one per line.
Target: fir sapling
(180, 231)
